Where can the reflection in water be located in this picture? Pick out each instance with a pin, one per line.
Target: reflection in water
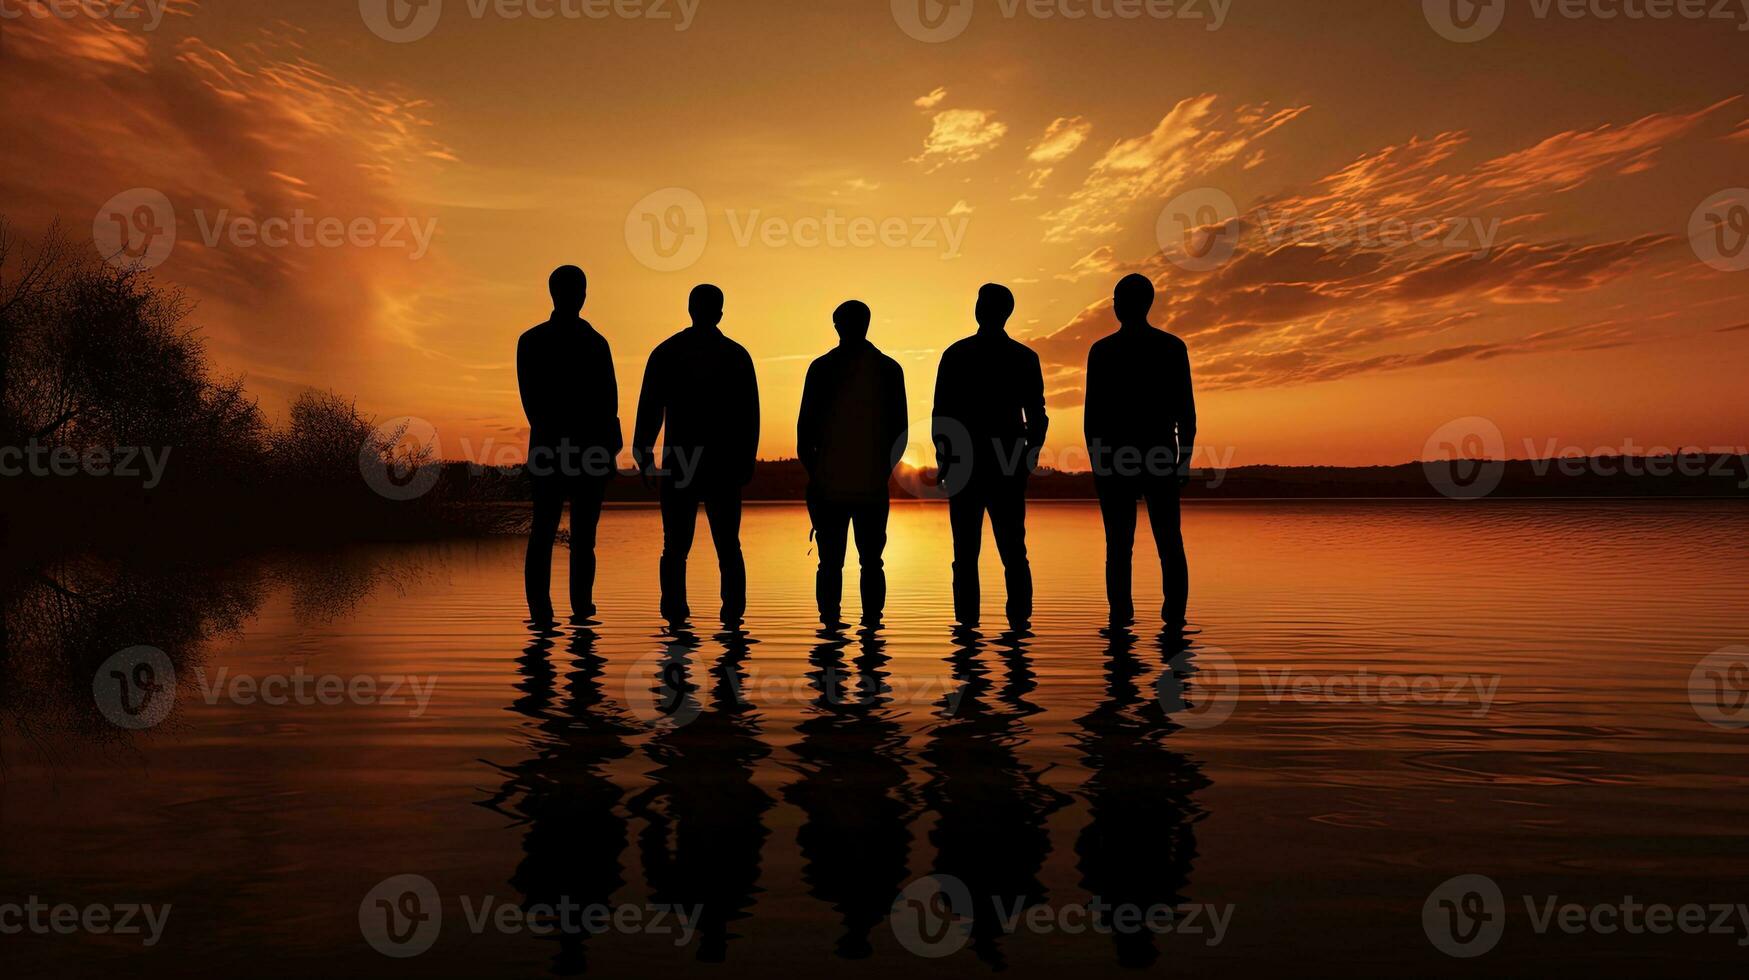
(1140, 839)
(705, 828)
(562, 792)
(991, 806)
(854, 789)
(62, 618)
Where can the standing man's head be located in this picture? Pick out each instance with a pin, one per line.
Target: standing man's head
(851, 320)
(995, 306)
(1133, 298)
(705, 305)
(570, 287)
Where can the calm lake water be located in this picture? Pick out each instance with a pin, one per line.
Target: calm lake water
(1381, 697)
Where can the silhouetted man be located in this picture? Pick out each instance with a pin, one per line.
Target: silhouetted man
(850, 436)
(565, 371)
(1141, 431)
(701, 385)
(990, 424)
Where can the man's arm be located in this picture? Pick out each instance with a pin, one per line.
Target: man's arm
(1095, 407)
(1185, 410)
(652, 408)
(946, 410)
(1037, 422)
(897, 428)
(529, 385)
(750, 412)
(607, 403)
(808, 422)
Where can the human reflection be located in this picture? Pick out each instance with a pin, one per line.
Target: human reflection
(705, 814)
(562, 792)
(854, 789)
(1139, 843)
(992, 808)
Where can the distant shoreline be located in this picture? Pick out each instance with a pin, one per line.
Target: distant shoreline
(1696, 477)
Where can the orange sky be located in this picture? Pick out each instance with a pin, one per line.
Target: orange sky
(1037, 152)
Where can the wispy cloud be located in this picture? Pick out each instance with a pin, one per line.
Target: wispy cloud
(960, 136)
(1192, 140)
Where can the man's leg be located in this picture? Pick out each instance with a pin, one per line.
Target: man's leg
(537, 568)
(1164, 513)
(871, 545)
(679, 520)
(965, 515)
(585, 518)
(1008, 521)
(831, 529)
(1117, 504)
(723, 510)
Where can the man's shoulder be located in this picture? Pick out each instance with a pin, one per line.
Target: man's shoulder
(535, 334)
(733, 348)
(959, 348)
(824, 361)
(670, 342)
(1022, 351)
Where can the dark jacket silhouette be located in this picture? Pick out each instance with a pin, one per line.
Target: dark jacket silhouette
(1141, 433)
(992, 385)
(564, 371)
(853, 424)
(990, 424)
(850, 435)
(700, 387)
